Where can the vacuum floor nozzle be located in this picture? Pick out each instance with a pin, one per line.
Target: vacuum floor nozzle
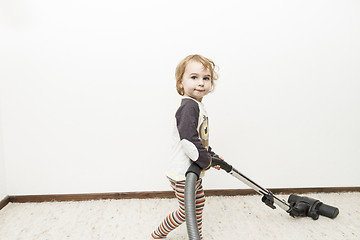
(310, 207)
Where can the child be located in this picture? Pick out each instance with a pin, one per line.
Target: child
(195, 76)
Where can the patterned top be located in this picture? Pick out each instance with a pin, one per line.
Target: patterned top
(190, 139)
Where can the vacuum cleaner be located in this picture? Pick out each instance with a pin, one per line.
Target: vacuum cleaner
(297, 206)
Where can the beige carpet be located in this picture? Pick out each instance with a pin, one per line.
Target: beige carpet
(241, 217)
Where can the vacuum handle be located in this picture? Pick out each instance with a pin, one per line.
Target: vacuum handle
(216, 161)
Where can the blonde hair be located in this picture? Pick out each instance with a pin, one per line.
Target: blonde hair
(180, 69)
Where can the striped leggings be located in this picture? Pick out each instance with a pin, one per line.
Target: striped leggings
(177, 217)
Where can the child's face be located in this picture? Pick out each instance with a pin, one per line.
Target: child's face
(196, 81)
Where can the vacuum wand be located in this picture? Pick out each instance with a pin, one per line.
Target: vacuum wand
(297, 206)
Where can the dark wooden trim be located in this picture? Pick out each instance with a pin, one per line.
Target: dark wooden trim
(90, 196)
(167, 194)
(4, 202)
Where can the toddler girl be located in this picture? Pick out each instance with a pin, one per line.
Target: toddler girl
(195, 76)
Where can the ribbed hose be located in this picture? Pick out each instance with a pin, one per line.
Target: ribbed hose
(190, 211)
(192, 175)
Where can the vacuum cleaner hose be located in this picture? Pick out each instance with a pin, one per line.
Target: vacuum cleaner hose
(192, 175)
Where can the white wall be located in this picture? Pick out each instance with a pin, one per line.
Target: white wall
(3, 192)
(88, 91)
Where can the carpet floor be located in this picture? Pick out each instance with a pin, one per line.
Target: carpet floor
(230, 218)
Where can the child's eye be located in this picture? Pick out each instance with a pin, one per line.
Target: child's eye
(193, 77)
(206, 78)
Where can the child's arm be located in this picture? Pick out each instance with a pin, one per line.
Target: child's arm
(187, 123)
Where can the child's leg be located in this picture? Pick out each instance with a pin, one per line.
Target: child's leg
(177, 217)
(200, 203)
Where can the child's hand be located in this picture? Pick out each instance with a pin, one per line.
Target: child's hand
(217, 166)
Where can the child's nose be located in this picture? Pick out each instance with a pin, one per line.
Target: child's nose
(201, 82)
